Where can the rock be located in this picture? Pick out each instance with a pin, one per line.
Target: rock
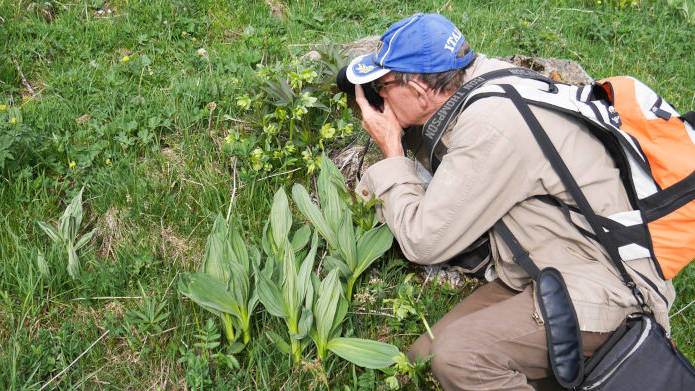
(565, 71)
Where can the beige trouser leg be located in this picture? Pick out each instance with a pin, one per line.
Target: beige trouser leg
(490, 341)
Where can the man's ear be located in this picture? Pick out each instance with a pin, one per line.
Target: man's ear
(421, 94)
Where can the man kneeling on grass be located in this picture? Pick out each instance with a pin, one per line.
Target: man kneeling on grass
(492, 169)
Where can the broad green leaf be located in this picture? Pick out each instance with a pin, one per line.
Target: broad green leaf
(332, 208)
(50, 231)
(301, 238)
(271, 297)
(332, 174)
(371, 246)
(333, 263)
(346, 240)
(363, 352)
(239, 250)
(305, 321)
(209, 292)
(340, 312)
(313, 214)
(238, 285)
(216, 258)
(303, 277)
(41, 264)
(325, 307)
(84, 240)
(70, 221)
(278, 342)
(73, 262)
(280, 218)
(266, 241)
(66, 224)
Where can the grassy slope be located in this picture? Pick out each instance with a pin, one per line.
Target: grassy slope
(154, 203)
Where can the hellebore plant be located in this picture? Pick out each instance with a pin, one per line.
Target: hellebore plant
(287, 295)
(330, 309)
(309, 307)
(223, 284)
(352, 250)
(66, 234)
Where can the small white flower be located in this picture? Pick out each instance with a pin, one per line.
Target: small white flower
(202, 52)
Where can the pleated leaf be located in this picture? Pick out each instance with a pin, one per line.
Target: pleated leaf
(313, 214)
(210, 293)
(363, 352)
(280, 218)
(373, 244)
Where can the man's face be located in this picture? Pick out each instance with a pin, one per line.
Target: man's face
(402, 99)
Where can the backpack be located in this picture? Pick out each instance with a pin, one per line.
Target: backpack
(652, 145)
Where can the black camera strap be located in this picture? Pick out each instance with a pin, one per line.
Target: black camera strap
(434, 127)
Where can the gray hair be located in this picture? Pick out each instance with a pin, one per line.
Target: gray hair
(447, 81)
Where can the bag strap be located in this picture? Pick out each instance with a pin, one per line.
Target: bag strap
(435, 126)
(689, 117)
(562, 332)
(573, 188)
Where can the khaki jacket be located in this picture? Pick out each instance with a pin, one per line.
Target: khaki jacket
(491, 169)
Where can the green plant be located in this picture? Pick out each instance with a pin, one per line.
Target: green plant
(223, 286)
(406, 304)
(687, 7)
(330, 309)
(66, 233)
(149, 314)
(295, 113)
(403, 367)
(286, 294)
(352, 249)
(198, 375)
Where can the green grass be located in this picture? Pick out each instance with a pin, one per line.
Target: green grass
(151, 158)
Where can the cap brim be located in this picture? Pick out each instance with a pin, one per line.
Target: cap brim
(363, 69)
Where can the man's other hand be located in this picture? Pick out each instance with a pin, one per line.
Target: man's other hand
(382, 126)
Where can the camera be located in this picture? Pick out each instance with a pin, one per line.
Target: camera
(344, 85)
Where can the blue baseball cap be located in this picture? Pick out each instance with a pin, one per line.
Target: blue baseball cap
(422, 43)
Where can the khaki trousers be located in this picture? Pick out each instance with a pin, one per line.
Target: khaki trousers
(490, 341)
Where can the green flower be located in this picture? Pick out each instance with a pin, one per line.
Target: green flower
(299, 112)
(327, 131)
(271, 128)
(244, 102)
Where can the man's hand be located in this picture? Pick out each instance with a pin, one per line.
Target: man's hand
(382, 126)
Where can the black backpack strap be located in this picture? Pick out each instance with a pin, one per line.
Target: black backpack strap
(689, 118)
(573, 188)
(562, 331)
(520, 256)
(434, 127)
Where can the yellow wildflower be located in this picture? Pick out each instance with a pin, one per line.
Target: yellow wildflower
(14, 120)
(184, 33)
(108, 162)
(3, 107)
(72, 164)
(125, 59)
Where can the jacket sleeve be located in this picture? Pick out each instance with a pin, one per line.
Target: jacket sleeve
(480, 178)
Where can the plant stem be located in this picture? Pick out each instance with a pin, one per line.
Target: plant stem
(350, 284)
(228, 328)
(427, 326)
